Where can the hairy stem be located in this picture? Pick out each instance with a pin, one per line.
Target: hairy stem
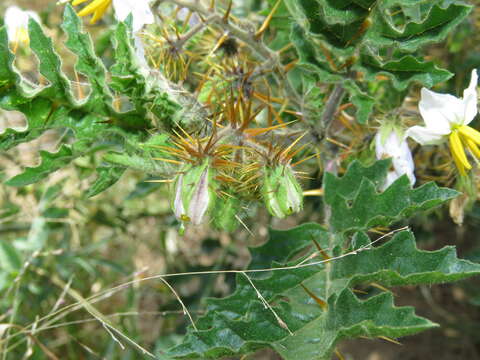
(333, 102)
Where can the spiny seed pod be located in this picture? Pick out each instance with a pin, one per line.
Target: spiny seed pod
(281, 191)
(194, 194)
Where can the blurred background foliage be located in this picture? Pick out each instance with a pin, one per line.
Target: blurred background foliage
(58, 248)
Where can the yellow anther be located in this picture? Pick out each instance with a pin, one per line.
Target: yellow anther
(96, 7)
(458, 153)
(470, 133)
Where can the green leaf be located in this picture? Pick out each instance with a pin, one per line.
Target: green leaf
(405, 25)
(127, 76)
(107, 176)
(10, 259)
(361, 41)
(88, 63)
(356, 203)
(6, 59)
(50, 162)
(50, 64)
(404, 71)
(240, 324)
(285, 248)
(133, 161)
(362, 101)
(349, 317)
(38, 112)
(399, 262)
(89, 124)
(436, 23)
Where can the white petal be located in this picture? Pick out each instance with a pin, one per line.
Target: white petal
(140, 51)
(403, 164)
(392, 146)
(470, 99)
(200, 200)
(426, 136)
(16, 20)
(178, 208)
(379, 147)
(441, 111)
(140, 10)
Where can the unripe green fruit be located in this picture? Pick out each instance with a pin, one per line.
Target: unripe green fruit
(281, 191)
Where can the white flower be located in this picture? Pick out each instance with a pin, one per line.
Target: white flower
(16, 22)
(140, 10)
(447, 116)
(391, 145)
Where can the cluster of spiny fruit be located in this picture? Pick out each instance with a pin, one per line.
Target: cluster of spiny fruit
(232, 159)
(233, 164)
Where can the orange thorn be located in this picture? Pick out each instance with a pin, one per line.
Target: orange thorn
(314, 192)
(287, 150)
(169, 160)
(389, 340)
(265, 24)
(227, 14)
(339, 355)
(290, 65)
(159, 181)
(320, 250)
(285, 48)
(319, 301)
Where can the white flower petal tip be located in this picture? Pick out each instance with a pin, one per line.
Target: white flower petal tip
(470, 99)
(395, 147)
(425, 136)
(140, 10)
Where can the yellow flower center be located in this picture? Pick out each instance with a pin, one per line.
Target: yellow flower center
(96, 7)
(460, 138)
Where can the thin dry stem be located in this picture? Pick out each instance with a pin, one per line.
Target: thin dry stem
(282, 323)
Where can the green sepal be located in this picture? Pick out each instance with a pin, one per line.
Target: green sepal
(225, 212)
(281, 192)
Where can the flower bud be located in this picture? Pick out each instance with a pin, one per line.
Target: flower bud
(281, 191)
(390, 143)
(194, 194)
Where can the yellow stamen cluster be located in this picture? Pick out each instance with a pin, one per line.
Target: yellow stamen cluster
(460, 138)
(96, 7)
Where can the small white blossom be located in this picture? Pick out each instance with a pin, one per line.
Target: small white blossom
(391, 145)
(16, 22)
(442, 113)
